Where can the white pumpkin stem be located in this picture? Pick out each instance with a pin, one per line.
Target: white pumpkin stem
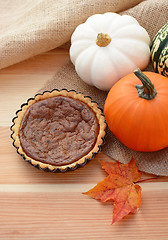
(103, 39)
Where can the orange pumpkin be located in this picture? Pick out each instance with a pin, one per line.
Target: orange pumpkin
(136, 111)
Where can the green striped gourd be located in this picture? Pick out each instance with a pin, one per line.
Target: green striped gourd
(159, 51)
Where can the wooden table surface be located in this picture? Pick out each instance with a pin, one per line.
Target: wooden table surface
(39, 205)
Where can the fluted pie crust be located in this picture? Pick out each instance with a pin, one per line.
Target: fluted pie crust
(18, 121)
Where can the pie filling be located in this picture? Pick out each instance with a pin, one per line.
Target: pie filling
(58, 130)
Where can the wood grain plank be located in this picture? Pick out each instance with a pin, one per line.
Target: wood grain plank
(15, 170)
(70, 187)
(76, 216)
(14, 95)
(46, 63)
(21, 81)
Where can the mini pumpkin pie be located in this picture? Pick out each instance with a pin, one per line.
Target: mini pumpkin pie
(58, 130)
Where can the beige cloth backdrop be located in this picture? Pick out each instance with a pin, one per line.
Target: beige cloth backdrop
(29, 27)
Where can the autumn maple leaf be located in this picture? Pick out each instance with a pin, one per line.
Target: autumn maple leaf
(120, 187)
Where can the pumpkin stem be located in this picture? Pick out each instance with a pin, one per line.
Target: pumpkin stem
(147, 90)
(103, 39)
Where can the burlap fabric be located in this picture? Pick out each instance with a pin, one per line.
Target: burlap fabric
(29, 27)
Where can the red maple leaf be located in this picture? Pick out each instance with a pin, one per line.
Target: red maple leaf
(120, 187)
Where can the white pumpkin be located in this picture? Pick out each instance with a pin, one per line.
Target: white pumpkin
(107, 47)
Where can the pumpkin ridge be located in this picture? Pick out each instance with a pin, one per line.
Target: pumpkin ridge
(94, 67)
(115, 68)
(160, 32)
(133, 36)
(127, 120)
(79, 59)
(163, 68)
(158, 52)
(90, 27)
(74, 58)
(90, 22)
(126, 56)
(121, 24)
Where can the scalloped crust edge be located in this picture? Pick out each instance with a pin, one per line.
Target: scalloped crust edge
(48, 94)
